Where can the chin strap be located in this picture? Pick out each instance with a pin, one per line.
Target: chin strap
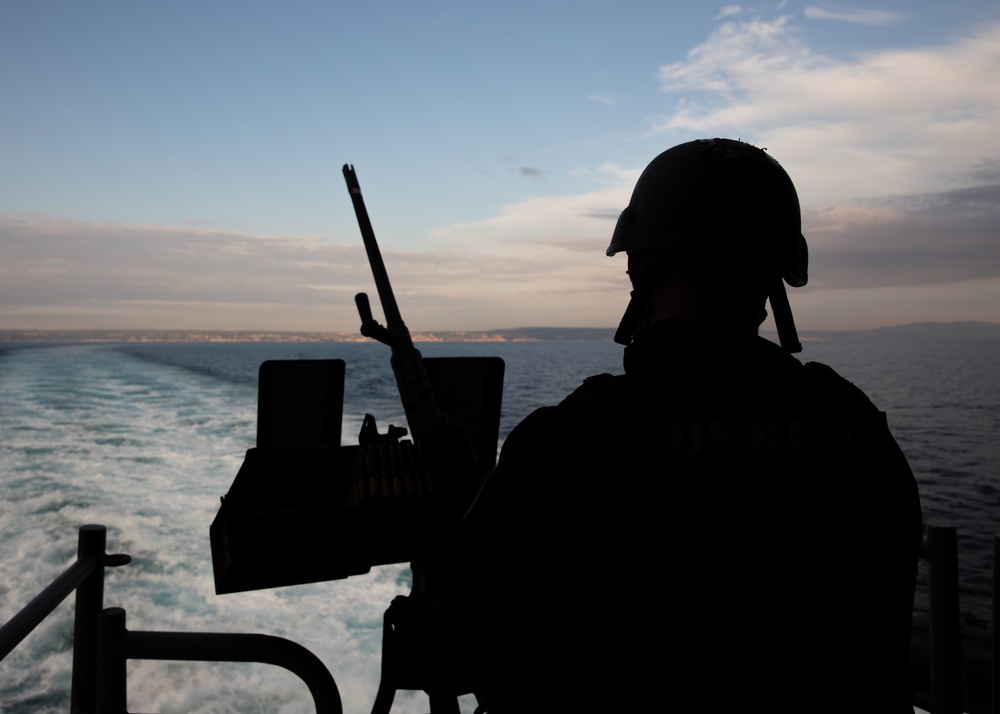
(631, 320)
(634, 320)
(787, 334)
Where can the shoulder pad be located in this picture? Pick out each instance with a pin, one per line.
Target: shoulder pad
(594, 384)
(843, 390)
(822, 370)
(595, 380)
(597, 389)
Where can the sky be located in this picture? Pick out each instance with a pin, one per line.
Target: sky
(177, 165)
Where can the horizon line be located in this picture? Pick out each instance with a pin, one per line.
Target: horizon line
(509, 334)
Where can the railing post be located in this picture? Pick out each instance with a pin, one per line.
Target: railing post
(111, 683)
(89, 603)
(946, 646)
(995, 663)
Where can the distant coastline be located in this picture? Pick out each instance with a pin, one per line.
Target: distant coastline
(518, 334)
(968, 330)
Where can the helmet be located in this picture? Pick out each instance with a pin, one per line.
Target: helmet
(725, 200)
(725, 205)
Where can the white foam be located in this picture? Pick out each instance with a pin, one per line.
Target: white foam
(93, 435)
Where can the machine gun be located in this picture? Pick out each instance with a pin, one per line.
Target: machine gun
(305, 509)
(422, 413)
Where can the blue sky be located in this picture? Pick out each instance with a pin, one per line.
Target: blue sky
(177, 165)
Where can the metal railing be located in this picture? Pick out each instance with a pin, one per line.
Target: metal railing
(102, 645)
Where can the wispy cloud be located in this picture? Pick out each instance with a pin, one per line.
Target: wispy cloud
(602, 99)
(74, 274)
(90, 267)
(859, 16)
(551, 220)
(987, 170)
(531, 172)
(922, 239)
(882, 122)
(728, 11)
(869, 140)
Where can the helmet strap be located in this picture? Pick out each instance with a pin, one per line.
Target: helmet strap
(635, 318)
(631, 320)
(782, 312)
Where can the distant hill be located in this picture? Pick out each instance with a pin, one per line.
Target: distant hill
(556, 334)
(918, 331)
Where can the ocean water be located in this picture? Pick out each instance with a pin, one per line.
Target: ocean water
(145, 438)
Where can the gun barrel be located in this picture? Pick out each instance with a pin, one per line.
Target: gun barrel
(393, 319)
(422, 413)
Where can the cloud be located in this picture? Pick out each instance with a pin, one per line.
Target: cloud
(81, 274)
(552, 219)
(61, 274)
(128, 262)
(602, 99)
(950, 236)
(853, 15)
(728, 11)
(872, 142)
(892, 121)
(986, 170)
(531, 172)
(606, 214)
(923, 239)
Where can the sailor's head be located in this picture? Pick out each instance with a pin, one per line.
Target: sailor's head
(712, 229)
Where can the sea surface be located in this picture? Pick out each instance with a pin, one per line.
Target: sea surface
(145, 438)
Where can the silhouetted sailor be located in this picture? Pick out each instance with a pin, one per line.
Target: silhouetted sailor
(721, 527)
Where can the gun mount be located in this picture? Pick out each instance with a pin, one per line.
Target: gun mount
(303, 508)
